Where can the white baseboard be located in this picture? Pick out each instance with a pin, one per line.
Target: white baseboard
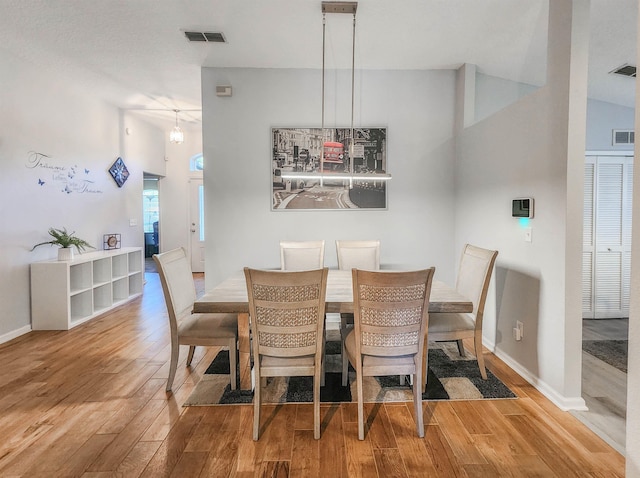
(563, 403)
(15, 333)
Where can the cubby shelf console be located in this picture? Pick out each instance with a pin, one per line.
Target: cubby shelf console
(67, 293)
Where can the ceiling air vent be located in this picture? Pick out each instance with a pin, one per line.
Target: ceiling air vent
(212, 37)
(625, 70)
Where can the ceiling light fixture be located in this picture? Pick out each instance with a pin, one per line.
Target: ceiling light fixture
(177, 135)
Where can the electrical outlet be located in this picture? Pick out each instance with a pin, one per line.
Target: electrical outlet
(520, 328)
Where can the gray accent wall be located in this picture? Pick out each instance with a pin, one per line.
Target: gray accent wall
(416, 107)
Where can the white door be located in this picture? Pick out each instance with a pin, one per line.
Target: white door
(607, 236)
(196, 224)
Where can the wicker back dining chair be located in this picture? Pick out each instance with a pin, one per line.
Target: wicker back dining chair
(287, 326)
(474, 275)
(391, 313)
(301, 255)
(363, 255)
(188, 328)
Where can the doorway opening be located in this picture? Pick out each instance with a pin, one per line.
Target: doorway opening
(608, 191)
(196, 212)
(151, 218)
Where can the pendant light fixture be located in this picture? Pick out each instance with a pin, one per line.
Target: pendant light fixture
(177, 135)
(350, 175)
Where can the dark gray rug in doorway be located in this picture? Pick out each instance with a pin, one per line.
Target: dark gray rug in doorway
(613, 352)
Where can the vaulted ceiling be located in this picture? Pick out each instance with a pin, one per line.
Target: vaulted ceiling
(135, 53)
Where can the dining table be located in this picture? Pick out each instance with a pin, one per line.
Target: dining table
(230, 296)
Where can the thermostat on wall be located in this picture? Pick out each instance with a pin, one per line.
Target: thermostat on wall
(522, 207)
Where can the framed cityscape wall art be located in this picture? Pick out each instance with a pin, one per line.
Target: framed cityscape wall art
(315, 169)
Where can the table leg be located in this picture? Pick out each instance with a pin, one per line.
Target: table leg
(244, 351)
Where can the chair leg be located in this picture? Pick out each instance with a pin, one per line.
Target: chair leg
(477, 342)
(256, 405)
(233, 363)
(345, 359)
(360, 405)
(192, 349)
(345, 366)
(317, 378)
(417, 402)
(461, 348)
(173, 363)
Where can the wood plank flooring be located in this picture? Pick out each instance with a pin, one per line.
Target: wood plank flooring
(604, 387)
(90, 402)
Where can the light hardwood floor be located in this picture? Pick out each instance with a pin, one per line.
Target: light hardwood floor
(604, 387)
(90, 402)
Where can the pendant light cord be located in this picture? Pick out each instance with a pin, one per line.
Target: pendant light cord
(353, 67)
(324, 22)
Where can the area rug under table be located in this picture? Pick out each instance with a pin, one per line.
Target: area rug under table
(450, 377)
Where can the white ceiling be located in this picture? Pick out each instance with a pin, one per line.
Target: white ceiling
(134, 54)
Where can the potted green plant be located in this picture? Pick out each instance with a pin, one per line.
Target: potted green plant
(65, 240)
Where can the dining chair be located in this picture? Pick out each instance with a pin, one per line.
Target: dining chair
(474, 275)
(391, 313)
(359, 255)
(186, 327)
(301, 255)
(287, 326)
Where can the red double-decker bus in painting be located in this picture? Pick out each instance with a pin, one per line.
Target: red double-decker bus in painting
(333, 157)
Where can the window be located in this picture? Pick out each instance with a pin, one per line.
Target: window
(196, 163)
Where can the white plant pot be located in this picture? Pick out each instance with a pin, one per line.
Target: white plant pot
(65, 254)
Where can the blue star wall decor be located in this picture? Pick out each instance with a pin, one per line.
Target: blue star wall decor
(119, 172)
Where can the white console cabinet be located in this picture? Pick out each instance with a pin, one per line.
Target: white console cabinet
(67, 293)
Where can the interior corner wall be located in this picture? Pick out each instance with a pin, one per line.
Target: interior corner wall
(522, 151)
(416, 107)
(494, 94)
(56, 147)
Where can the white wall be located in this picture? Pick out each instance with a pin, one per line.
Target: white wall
(633, 377)
(604, 117)
(43, 113)
(174, 191)
(494, 94)
(525, 150)
(416, 107)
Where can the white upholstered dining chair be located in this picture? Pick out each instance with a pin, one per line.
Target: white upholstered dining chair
(474, 275)
(363, 255)
(287, 325)
(186, 327)
(391, 313)
(301, 255)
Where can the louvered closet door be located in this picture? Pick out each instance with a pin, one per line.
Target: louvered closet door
(607, 237)
(588, 239)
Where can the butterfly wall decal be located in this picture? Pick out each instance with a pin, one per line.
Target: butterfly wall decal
(40, 182)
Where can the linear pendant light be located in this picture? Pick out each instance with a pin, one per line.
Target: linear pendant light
(338, 7)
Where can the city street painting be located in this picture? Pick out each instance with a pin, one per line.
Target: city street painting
(304, 178)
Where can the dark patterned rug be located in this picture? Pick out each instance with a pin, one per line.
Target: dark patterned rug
(613, 352)
(450, 377)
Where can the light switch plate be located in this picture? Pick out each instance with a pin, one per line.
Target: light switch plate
(527, 234)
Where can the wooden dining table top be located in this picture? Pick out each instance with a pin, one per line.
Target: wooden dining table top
(230, 296)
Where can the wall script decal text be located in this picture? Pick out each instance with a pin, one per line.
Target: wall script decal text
(68, 179)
